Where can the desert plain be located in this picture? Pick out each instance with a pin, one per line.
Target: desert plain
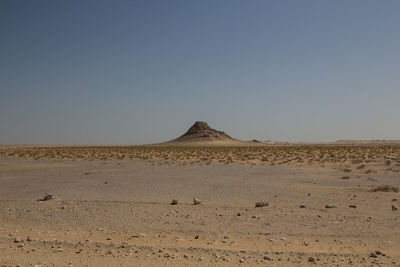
(326, 205)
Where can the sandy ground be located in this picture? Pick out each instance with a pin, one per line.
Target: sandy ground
(111, 209)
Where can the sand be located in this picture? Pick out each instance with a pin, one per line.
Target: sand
(111, 206)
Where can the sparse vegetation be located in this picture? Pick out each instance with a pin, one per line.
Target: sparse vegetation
(386, 188)
(346, 158)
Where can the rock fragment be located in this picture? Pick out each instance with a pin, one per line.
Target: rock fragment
(139, 235)
(373, 255)
(267, 258)
(196, 201)
(328, 206)
(261, 204)
(46, 197)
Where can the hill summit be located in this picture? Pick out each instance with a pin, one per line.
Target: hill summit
(201, 129)
(201, 134)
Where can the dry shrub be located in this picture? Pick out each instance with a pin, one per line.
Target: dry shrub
(386, 188)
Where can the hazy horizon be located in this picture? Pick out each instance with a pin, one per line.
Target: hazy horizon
(141, 72)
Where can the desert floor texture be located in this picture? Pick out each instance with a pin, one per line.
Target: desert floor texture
(327, 206)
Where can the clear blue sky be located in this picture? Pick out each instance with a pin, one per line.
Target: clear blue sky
(135, 72)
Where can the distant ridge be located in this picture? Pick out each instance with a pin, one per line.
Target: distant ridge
(201, 134)
(368, 142)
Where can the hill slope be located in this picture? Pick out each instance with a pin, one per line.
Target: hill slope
(202, 134)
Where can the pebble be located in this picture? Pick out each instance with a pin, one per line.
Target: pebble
(261, 204)
(302, 206)
(268, 258)
(46, 197)
(373, 255)
(394, 207)
(328, 206)
(174, 202)
(138, 235)
(196, 201)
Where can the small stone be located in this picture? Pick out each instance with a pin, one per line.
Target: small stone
(46, 197)
(353, 206)
(261, 204)
(302, 206)
(373, 255)
(328, 206)
(241, 260)
(196, 237)
(196, 201)
(267, 258)
(394, 208)
(138, 235)
(238, 214)
(311, 259)
(174, 202)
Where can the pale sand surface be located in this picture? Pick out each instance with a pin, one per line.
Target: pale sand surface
(112, 206)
